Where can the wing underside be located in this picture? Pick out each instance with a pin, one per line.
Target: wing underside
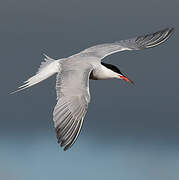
(73, 96)
(68, 118)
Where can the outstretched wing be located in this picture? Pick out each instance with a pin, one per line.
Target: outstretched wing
(73, 96)
(137, 43)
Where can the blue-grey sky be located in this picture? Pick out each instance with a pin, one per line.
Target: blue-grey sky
(130, 132)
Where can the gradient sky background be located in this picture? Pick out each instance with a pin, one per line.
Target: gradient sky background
(130, 132)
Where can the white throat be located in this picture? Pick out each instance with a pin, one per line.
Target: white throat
(102, 73)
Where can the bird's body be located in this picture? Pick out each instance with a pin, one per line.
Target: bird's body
(72, 82)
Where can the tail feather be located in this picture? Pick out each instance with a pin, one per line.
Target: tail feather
(47, 69)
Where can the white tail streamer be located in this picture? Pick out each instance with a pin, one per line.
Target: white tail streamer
(47, 68)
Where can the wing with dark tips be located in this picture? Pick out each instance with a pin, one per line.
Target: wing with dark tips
(72, 88)
(141, 42)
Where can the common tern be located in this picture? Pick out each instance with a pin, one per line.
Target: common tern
(72, 80)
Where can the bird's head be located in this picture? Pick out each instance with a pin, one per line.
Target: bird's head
(119, 74)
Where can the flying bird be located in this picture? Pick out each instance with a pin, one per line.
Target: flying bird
(72, 80)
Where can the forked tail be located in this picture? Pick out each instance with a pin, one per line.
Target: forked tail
(47, 68)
